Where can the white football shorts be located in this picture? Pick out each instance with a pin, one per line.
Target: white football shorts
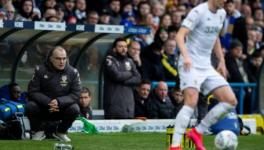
(205, 80)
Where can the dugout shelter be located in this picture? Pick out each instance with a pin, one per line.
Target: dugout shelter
(23, 45)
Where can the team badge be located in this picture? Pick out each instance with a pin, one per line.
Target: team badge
(64, 81)
(109, 62)
(128, 65)
(46, 76)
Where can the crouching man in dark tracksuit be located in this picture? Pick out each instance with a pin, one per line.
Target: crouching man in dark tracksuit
(53, 95)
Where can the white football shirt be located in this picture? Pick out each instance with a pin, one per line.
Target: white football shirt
(204, 26)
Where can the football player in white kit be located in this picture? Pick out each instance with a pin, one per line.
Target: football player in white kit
(197, 39)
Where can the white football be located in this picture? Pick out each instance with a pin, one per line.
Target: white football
(226, 140)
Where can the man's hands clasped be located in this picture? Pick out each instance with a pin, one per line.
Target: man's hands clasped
(54, 106)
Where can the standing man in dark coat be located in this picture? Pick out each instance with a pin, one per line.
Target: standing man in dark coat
(120, 76)
(53, 95)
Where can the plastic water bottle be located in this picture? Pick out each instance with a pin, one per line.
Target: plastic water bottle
(61, 146)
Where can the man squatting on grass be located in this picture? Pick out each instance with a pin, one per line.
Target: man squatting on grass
(53, 95)
(200, 29)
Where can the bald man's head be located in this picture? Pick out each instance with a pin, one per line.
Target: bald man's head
(162, 90)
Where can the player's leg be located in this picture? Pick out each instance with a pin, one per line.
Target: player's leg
(219, 87)
(183, 117)
(227, 102)
(190, 84)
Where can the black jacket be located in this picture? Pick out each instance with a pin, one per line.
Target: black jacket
(159, 109)
(152, 68)
(140, 106)
(233, 69)
(48, 83)
(120, 76)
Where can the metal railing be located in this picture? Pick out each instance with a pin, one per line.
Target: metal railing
(240, 97)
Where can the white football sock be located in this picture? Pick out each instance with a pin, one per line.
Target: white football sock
(181, 123)
(213, 116)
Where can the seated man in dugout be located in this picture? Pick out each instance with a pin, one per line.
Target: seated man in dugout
(85, 103)
(53, 95)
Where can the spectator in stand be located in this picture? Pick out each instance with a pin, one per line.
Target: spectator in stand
(261, 50)
(246, 10)
(169, 60)
(3, 3)
(53, 95)
(53, 19)
(232, 15)
(26, 12)
(239, 71)
(141, 99)
(152, 68)
(259, 37)
(238, 4)
(143, 11)
(255, 4)
(71, 20)
(134, 49)
(104, 17)
(252, 39)
(46, 4)
(176, 19)
(160, 105)
(148, 21)
(2, 15)
(128, 8)
(157, 10)
(49, 12)
(69, 9)
(10, 11)
(165, 21)
(234, 27)
(85, 103)
(120, 76)
(135, 4)
(80, 11)
(92, 18)
(151, 58)
(176, 97)
(114, 9)
(259, 17)
(256, 61)
(60, 9)
(128, 19)
(161, 36)
(172, 32)
(236, 65)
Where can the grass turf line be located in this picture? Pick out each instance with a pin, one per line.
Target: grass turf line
(123, 141)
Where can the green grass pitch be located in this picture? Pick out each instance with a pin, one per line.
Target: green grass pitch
(123, 141)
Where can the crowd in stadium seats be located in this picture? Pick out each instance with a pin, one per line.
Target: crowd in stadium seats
(155, 55)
